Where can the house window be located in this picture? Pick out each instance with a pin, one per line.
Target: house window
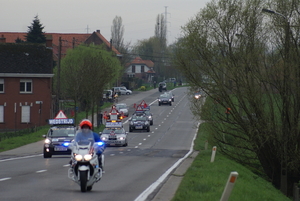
(26, 86)
(1, 85)
(142, 69)
(25, 118)
(133, 69)
(1, 113)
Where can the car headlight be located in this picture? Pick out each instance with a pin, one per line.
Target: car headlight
(170, 99)
(150, 117)
(47, 141)
(78, 157)
(159, 100)
(103, 138)
(121, 138)
(87, 157)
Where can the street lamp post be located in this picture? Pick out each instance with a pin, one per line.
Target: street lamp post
(286, 74)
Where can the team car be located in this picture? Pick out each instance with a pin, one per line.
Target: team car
(114, 134)
(122, 107)
(146, 112)
(139, 122)
(58, 137)
(164, 99)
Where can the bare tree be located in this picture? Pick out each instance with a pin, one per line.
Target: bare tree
(246, 62)
(117, 33)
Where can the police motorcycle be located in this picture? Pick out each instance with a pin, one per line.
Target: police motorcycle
(85, 169)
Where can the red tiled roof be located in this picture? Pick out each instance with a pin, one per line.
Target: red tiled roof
(107, 43)
(67, 40)
(138, 60)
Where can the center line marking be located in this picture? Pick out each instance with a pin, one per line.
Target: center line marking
(40, 171)
(7, 178)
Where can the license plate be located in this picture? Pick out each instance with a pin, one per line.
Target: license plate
(114, 142)
(138, 127)
(60, 148)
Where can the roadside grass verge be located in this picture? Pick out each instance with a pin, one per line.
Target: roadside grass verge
(206, 181)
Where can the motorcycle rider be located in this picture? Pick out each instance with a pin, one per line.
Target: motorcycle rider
(86, 130)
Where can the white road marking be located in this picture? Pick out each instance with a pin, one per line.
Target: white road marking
(121, 152)
(144, 139)
(136, 146)
(67, 165)
(4, 179)
(112, 154)
(155, 128)
(11, 159)
(149, 135)
(40, 171)
(140, 143)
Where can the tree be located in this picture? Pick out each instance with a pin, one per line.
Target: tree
(117, 33)
(85, 71)
(247, 63)
(161, 31)
(35, 32)
(19, 40)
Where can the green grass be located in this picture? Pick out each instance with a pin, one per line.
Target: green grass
(206, 181)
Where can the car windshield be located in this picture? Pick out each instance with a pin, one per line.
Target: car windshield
(139, 118)
(147, 112)
(115, 130)
(164, 96)
(121, 106)
(62, 132)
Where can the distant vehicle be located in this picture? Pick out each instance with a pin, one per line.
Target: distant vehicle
(162, 86)
(198, 95)
(139, 122)
(122, 107)
(114, 134)
(164, 99)
(122, 90)
(170, 94)
(108, 95)
(58, 137)
(147, 113)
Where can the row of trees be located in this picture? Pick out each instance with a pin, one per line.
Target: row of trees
(248, 61)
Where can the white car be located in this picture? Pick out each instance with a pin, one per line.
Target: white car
(122, 90)
(122, 107)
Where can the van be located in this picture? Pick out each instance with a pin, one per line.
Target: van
(121, 90)
(108, 95)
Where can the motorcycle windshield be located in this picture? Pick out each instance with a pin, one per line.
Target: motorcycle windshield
(84, 137)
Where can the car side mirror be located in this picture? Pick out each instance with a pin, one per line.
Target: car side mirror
(126, 133)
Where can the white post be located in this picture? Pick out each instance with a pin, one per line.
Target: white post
(229, 186)
(213, 154)
(206, 145)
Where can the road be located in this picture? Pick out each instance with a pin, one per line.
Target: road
(130, 171)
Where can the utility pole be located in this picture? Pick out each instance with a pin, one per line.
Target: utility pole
(58, 76)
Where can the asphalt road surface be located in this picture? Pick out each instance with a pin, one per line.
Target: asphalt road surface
(130, 171)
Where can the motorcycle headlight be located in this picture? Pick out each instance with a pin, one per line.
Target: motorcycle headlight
(78, 157)
(47, 141)
(87, 157)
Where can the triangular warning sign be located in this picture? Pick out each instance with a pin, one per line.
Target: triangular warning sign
(61, 115)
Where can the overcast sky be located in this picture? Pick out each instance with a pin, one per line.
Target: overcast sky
(82, 16)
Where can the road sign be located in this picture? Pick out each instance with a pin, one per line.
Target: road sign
(61, 115)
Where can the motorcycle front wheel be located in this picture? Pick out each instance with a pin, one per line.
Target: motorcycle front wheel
(83, 180)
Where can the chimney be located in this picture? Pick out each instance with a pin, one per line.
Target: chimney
(2, 39)
(49, 41)
(98, 31)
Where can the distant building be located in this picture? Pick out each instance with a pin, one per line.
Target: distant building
(139, 68)
(25, 85)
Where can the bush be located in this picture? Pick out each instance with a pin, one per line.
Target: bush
(142, 88)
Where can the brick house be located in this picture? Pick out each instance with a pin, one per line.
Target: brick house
(139, 68)
(25, 85)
